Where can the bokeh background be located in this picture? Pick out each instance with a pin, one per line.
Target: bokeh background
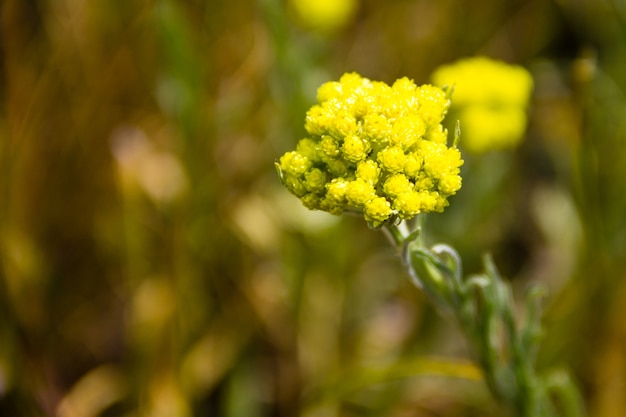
(152, 265)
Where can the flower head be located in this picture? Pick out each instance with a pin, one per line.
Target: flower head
(491, 99)
(374, 148)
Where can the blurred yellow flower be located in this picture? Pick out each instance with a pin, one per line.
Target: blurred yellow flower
(490, 98)
(324, 15)
(378, 149)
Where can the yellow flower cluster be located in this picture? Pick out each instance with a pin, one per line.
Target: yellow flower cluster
(374, 148)
(491, 98)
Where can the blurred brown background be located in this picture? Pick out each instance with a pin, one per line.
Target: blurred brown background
(151, 263)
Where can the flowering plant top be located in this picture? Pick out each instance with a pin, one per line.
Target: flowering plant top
(376, 149)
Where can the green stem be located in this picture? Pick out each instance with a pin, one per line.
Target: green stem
(483, 307)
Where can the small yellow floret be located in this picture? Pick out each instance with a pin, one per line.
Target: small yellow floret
(329, 146)
(315, 180)
(336, 190)
(295, 185)
(360, 192)
(376, 128)
(407, 131)
(408, 204)
(404, 87)
(413, 164)
(354, 148)
(449, 184)
(343, 124)
(368, 171)
(396, 185)
(436, 162)
(294, 163)
(318, 120)
(433, 104)
(309, 148)
(351, 81)
(329, 90)
(377, 210)
(392, 159)
(311, 201)
(438, 135)
(432, 201)
(338, 167)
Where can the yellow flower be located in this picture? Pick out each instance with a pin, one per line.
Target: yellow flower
(324, 15)
(490, 98)
(376, 149)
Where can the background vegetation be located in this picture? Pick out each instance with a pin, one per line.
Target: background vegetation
(151, 263)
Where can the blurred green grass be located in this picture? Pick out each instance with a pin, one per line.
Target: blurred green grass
(152, 264)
